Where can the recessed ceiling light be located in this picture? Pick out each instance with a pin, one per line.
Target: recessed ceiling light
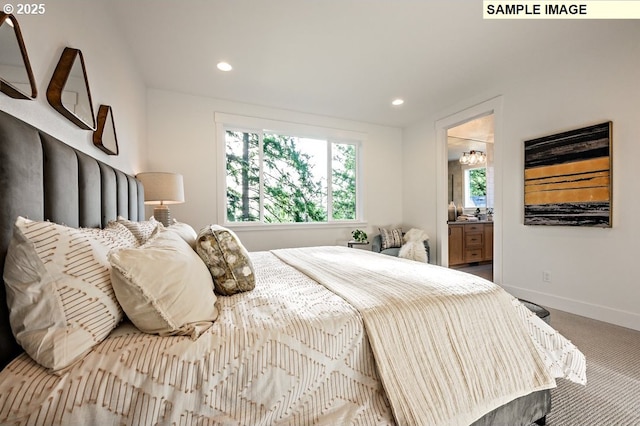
(224, 66)
(397, 102)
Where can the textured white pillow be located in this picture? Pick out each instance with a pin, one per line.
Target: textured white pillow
(59, 289)
(164, 287)
(185, 231)
(141, 230)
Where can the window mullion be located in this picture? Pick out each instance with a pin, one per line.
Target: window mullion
(261, 175)
(329, 181)
(357, 174)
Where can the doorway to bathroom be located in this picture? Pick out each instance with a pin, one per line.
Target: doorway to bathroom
(471, 195)
(492, 106)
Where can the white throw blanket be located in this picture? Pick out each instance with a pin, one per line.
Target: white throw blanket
(449, 346)
(413, 247)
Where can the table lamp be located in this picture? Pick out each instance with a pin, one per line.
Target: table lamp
(162, 189)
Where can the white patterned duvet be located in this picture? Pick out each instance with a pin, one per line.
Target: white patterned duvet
(289, 352)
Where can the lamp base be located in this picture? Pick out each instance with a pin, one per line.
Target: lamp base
(162, 214)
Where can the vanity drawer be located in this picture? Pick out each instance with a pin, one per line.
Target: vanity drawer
(478, 227)
(473, 240)
(473, 255)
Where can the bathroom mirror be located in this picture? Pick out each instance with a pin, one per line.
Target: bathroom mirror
(68, 90)
(16, 76)
(105, 135)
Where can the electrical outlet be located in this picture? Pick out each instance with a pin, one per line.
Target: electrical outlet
(546, 277)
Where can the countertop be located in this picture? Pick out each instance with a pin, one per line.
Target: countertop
(467, 222)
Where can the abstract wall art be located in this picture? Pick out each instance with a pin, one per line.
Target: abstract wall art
(567, 178)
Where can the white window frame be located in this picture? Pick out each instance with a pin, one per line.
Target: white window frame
(240, 123)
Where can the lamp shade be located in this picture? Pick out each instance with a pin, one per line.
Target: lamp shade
(162, 188)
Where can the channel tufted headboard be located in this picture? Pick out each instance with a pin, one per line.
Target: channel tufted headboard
(42, 178)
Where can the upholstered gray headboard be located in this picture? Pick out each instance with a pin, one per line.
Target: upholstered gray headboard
(42, 178)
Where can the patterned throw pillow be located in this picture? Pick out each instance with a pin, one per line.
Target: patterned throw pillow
(227, 260)
(59, 289)
(164, 287)
(141, 230)
(390, 238)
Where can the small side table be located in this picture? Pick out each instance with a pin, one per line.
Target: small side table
(352, 243)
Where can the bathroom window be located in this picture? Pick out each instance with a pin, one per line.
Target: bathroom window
(475, 188)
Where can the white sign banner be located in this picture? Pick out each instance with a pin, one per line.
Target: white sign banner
(586, 9)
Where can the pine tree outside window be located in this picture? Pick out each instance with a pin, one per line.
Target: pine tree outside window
(273, 177)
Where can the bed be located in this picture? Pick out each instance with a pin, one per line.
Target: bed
(305, 346)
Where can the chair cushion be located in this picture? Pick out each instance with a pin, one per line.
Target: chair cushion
(393, 251)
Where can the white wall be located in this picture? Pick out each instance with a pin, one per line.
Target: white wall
(111, 70)
(595, 80)
(182, 139)
(586, 78)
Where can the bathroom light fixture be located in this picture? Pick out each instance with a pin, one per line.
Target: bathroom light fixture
(397, 102)
(224, 66)
(472, 158)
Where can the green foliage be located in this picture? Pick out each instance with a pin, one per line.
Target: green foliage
(478, 181)
(291, 192)
(243, 195)
(293, 187)
(344, 182)
(359, 235)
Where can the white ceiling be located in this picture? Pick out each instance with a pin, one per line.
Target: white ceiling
(472, 135)
(339, 58)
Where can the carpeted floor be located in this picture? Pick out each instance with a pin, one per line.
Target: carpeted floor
(612, 394)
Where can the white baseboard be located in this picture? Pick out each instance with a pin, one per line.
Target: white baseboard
(589, 310)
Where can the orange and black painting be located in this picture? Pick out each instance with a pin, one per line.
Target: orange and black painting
(567, 178)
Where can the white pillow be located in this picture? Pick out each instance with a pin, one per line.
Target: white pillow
(61, 302)
(164, 287)
(141, 230)
(185, 231)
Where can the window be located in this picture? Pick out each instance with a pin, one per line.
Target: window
(280, 177)
(475, 187)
